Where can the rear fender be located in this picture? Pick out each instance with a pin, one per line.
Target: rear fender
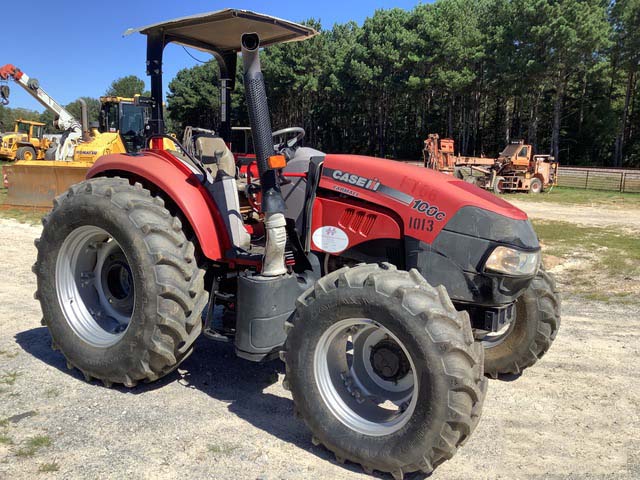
(179, 183)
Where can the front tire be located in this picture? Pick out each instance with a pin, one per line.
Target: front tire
(535, 186)
(26, 153)
(383, 369)
(531, 332)
(119, 287)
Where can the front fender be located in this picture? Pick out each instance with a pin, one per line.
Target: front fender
(176, 181)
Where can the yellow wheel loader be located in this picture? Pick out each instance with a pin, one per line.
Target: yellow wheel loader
(36, 182)
(25, 142)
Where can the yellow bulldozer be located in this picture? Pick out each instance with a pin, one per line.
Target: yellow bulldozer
(25, 142)
(35, 181)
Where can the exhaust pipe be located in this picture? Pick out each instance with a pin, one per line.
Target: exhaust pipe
(86, 134)
(272, 204)
(256, 94)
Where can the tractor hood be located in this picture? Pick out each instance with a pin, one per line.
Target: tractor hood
(417, 192)
(450, 227)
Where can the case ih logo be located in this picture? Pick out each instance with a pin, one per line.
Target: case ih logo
(357, 180)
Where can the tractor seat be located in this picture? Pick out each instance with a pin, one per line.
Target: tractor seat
(215, 155)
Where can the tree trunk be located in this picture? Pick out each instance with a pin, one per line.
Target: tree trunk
(507, 123)
(621, 138)
(557, 115)
(450, 122)
(534, 119)
(582, 101)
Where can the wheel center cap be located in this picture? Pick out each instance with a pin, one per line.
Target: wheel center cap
(389, 361)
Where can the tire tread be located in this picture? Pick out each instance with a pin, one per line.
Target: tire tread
(179, 279)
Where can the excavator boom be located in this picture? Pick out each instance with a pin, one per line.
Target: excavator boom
(122, 129)
(34, 182)
(32, 87)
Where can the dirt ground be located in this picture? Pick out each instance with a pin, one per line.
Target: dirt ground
(575, 415)
(593, 216)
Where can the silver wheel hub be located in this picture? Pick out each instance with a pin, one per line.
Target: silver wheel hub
(94, 284)
(366, 376)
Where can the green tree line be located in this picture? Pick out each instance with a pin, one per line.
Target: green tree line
(560, 74)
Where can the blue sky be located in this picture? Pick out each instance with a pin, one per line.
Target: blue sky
(76, 48)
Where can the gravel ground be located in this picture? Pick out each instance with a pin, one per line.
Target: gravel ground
(574, 415)
(592, 216)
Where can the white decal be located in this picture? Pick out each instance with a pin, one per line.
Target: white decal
(331, 239)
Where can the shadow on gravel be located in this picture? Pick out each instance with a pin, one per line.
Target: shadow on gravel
(509, 377)
(214, 369)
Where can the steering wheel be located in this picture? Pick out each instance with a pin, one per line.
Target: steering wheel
(297, 134)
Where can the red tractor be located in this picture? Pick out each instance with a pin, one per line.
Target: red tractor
(388, 290)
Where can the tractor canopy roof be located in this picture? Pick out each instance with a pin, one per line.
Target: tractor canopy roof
(221, 31)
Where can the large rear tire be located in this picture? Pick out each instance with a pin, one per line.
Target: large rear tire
(530, 334)
(118, 283)
(383, 369)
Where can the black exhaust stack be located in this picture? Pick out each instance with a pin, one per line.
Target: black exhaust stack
(260, 120)
(86, 135)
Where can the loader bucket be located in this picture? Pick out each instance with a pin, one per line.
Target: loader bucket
(37, 183)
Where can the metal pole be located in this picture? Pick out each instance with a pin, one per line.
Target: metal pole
(623, 180)
(586, 181)
(155, 48)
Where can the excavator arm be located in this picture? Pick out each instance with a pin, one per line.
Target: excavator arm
(64, 120)
(32, 87)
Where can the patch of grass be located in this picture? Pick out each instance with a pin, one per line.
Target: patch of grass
(51, 393)
(222, 448)
(4, 422)
(616, 252)
(31, 447)
(49, 467)
(5, 440)
(577, 196)
(601, 264)
(611, 297)
(8, 354)
(9, 378)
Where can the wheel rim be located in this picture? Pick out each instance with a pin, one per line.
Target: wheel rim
(366, 376)
(94, 284)
(536, 187)
(28, 155)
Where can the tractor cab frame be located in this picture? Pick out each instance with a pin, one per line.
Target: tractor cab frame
(217, 33)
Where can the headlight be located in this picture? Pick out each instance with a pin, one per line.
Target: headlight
(513, 262)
